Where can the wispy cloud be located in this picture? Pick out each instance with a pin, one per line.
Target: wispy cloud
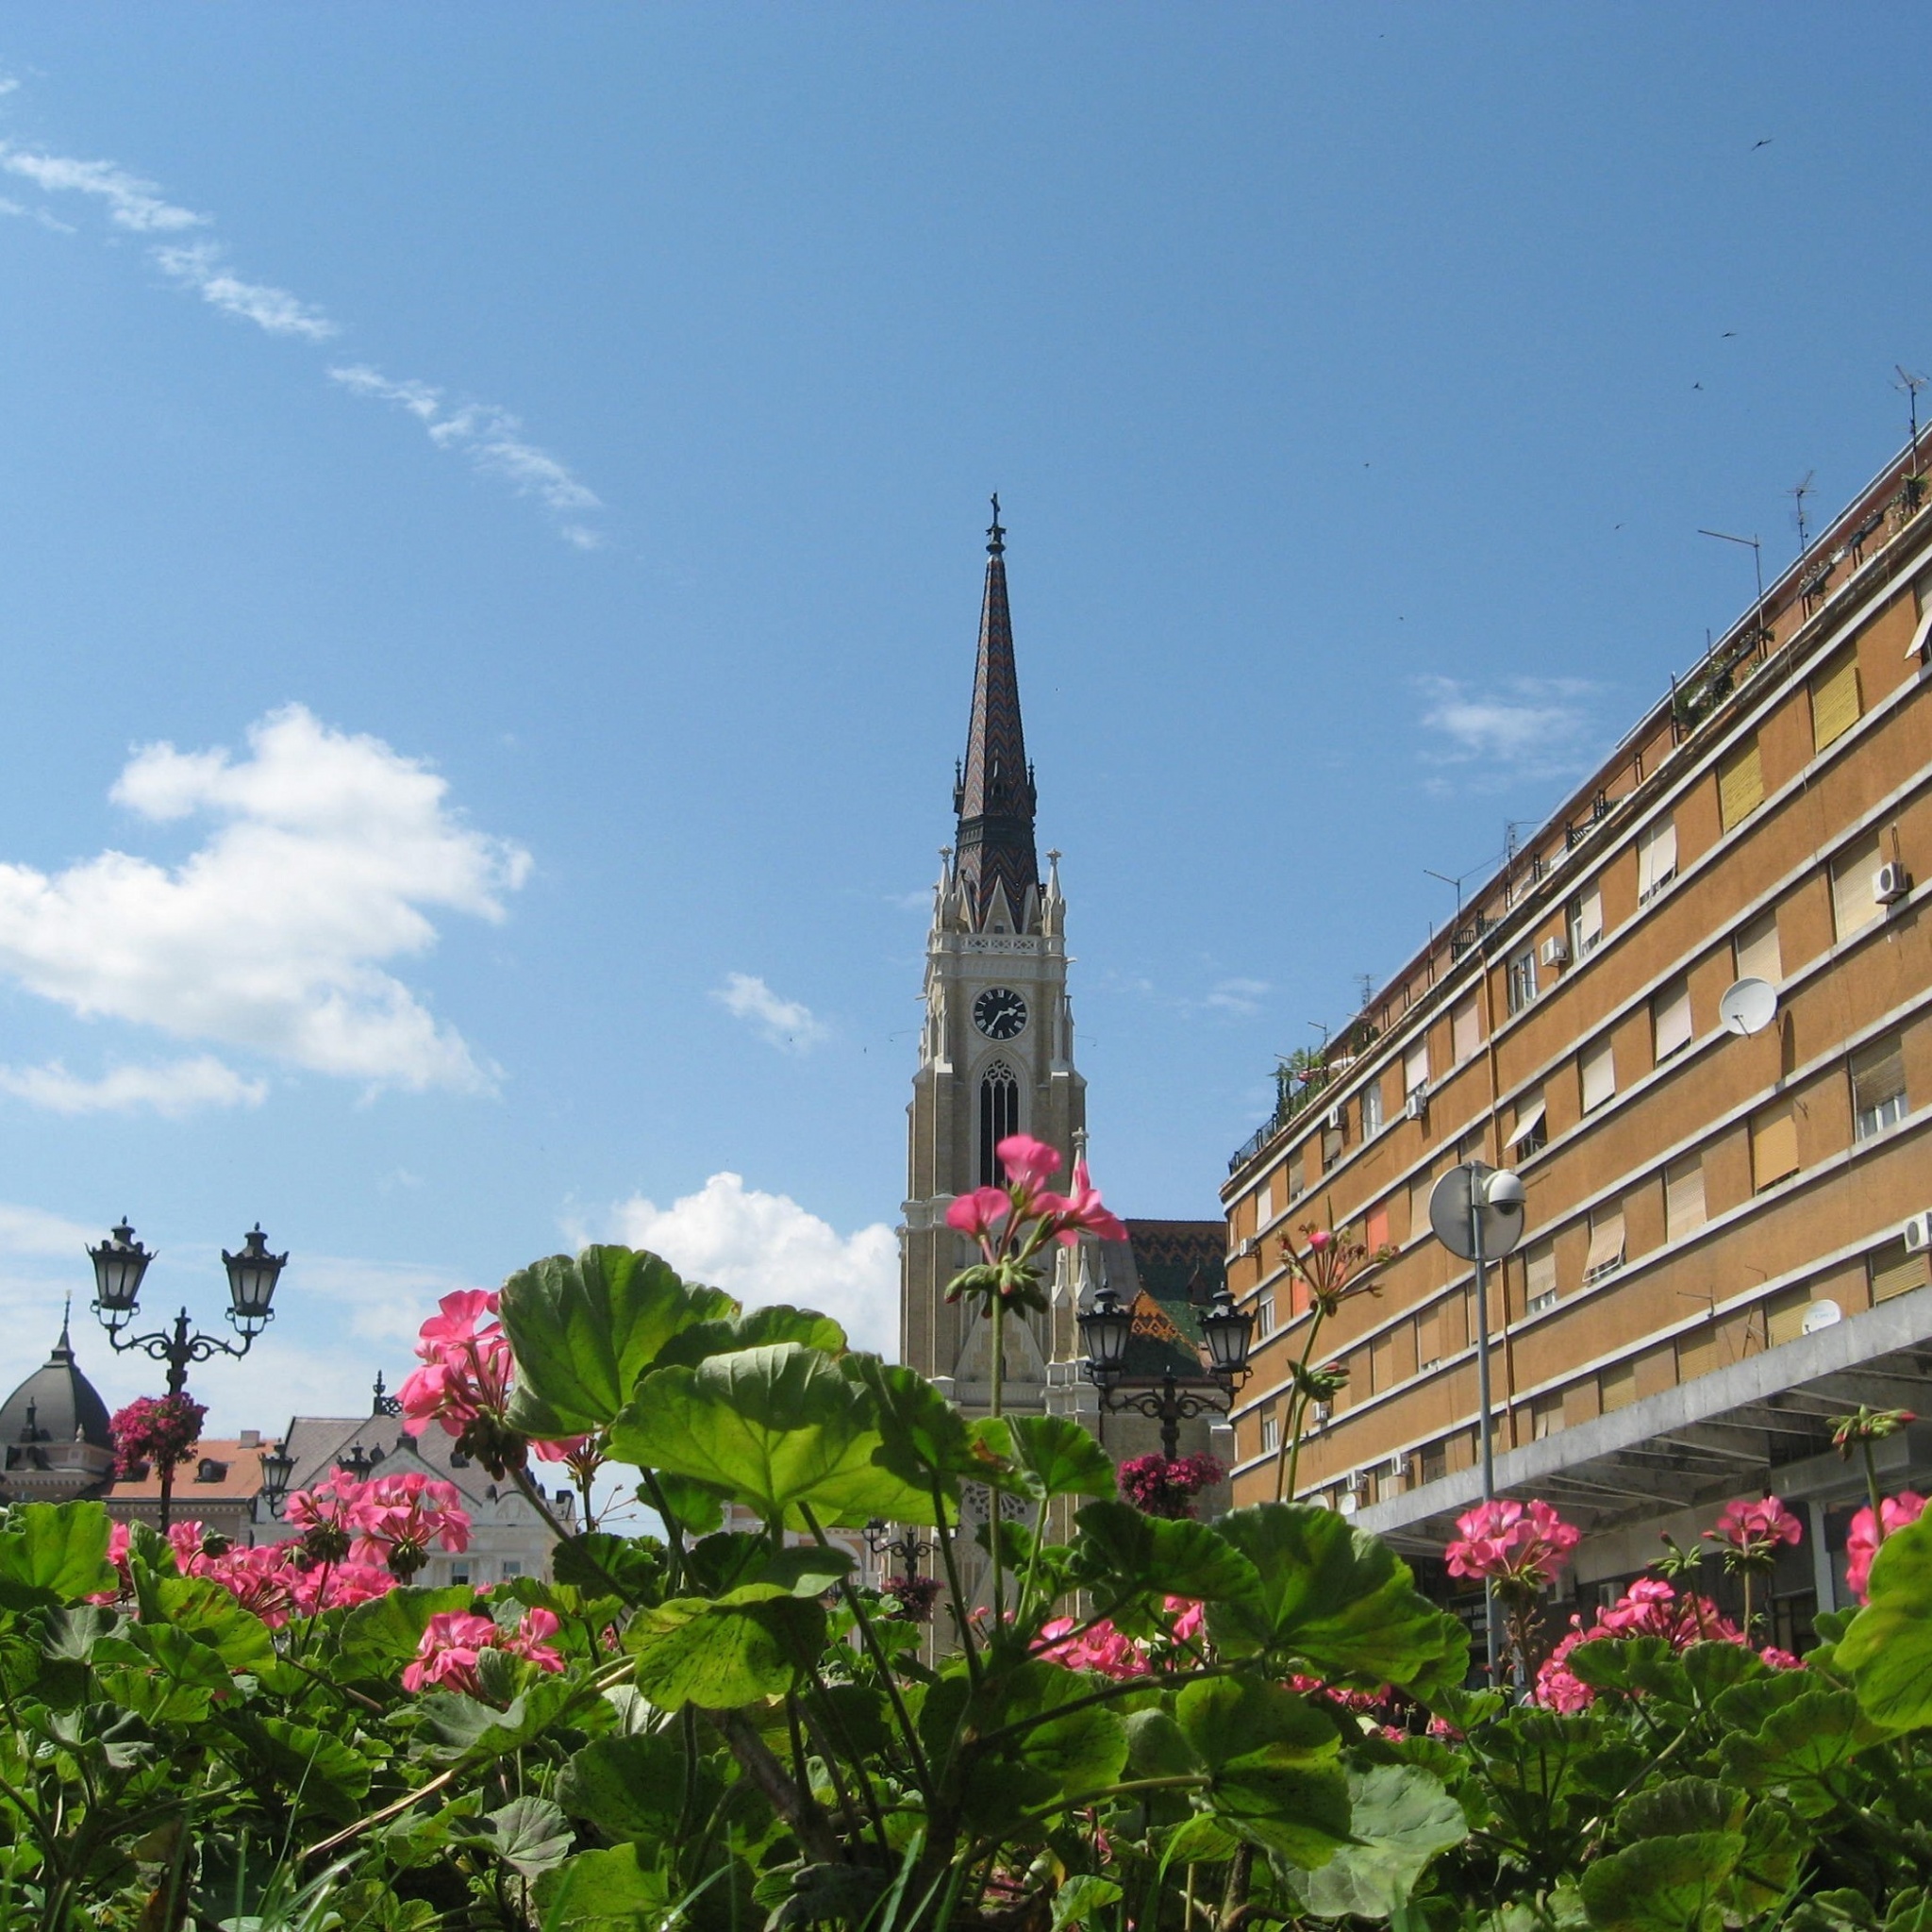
(491, 437)
(787, 1024)
(173, 1090)
(1524, 728)
(1238, 998)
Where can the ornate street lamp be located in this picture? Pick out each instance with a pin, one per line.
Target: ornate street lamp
(120, 1262)
(1105, 1330)
(277, 1466)
(908, 1548)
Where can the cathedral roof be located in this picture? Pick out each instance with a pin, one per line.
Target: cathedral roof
(994, 797)
(56, 1403)
(1166, 1271)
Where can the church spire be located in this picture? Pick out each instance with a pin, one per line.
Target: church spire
(998, 866)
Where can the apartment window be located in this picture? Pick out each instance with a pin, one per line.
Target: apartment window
(1376, 1228)
(1784, 1316)
(1264, 1315)
(1605, 1246)
(1465, 1030)
(1834, 700)
(1619, 1385)
(1372, 1109)
(1586, 921)
(1532, 1132)
(1271, 1428)
(1878, 1086)
(1545, 1417)
(1697, 1354)
(1297, 1170)
(1599, 1076)
(1415, 1068)
(1420, 1189)
(512, 1566)
(1657, 858)
(1740, 783)
(1669, 1019)
(1428, 1337)
(1264, 1206)
(1755, 949)
(1332, 1147)
(1853, 907)
(1521, 979)
(1540, 1277)
(1897, 1269)
(1683, 1197)
(1435, 1461)
(1774, 1146)
(460, 1571)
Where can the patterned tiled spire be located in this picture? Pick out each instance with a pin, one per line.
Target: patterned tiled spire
(993, 797)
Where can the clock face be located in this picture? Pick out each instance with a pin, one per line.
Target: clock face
(1000, 1013)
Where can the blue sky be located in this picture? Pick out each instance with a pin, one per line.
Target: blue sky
(491, 522)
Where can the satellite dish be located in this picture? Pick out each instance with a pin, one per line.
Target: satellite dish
(1501, 1217)
(1747, 1006)
(1822, 1315)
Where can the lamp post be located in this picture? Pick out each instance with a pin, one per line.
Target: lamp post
(277, 1466)
(1105, 1330)
(120, 1262)
(907, 1548)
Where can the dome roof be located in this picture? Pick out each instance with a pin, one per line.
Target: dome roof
(63, 1402)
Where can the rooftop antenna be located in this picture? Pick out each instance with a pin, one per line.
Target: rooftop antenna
(1448, 881)
(1757, 550)
(1911, 385)
(1367, 982)
(1798, 492)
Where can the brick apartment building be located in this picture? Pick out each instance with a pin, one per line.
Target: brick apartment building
(1715, 1257)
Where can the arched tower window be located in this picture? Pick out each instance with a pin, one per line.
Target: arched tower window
(999, 1115)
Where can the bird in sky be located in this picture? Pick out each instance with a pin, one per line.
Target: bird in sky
(1696, 385)
(1765, 143)
(1727, 334)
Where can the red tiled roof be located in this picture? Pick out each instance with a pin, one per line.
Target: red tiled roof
(241, 1478)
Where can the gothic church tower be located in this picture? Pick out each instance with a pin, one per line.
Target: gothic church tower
(996, 1052)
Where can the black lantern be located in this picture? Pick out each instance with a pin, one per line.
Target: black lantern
(277, 1466)
(1106, 1329)
(252, 1277)
(1228, 1332)
(118, 1264)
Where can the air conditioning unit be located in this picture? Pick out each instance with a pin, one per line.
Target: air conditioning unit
(1332, 1119)
(1358, 1483)
(1321, 1412)
(1918, 1234)
(1554, 952)
(1249, 1246)
(1416, 1108)
(1890, 883)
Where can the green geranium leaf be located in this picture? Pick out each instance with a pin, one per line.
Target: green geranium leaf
(698, 1507)
(201, 1608)
(1202, 1839)
(1273, 1758)
(923, 1439)
(1082, 1751)
(600, 1564)
(632, 1787)
(1800, 1744)
(1158, 1747)
(617, 1890)
(1887, 1649)
(1120, 1554)
(1051, 1455)
(321, 1773)
(721, 1655)
(383, 1634)
(529, 1835)
(462, 1727)
(53, 1553)
(1662, 1883)
(1082, 1900)
(585, 1328)
(781, 1429)
(1400, 1818)
(753, 1328)
(1341, 1600)
(1680, 1808)
(806, 1570)
(68, 1634)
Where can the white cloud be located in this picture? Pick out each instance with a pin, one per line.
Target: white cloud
(34, 1231)
(131, 203)
(328, 855)
(1528, 727)
(789, 1025)
(489, 437)
(1238, 998)
(179, 1088)
(198, 266)
(18, 210)
(766, 1248)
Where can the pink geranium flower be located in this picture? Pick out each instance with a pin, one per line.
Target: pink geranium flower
(1862, 1542)
(1083, 1211)
(530, 1639)
(1104, 1650)
(399, 1519)
(1756, 1530)
(981, 1214)
(1517, 1546)
(446, 1657)
(467, 1366)
(1028, 1165)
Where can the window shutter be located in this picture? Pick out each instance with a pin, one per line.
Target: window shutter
(1529, 1120)
(1619, 1385)
(1599, 1076)
(1835, 704)
(1684, 1210)
(1264, 1206)
(1540, 1274)
(1420, 1189)
(1740, 784)
(1415, 1067)
(1784, 1316)
(1853, 907)
(1895, 1270)
(1296, 1168)
(1376, 1228)
(1428, 1338)
(1605, 1246)
(1657, 856)
(1878, 1086)
(1774, 1146)
(1670, 1019)
(1381, 1364)
(1755, 949)
(1696, 1353)
(1465, 1030)
(1586, 921)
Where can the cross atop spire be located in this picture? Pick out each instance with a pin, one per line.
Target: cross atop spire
(993, 797)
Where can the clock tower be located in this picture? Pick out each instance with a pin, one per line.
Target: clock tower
(996, 1051)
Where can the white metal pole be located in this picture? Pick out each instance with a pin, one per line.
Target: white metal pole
(1482, 1395)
